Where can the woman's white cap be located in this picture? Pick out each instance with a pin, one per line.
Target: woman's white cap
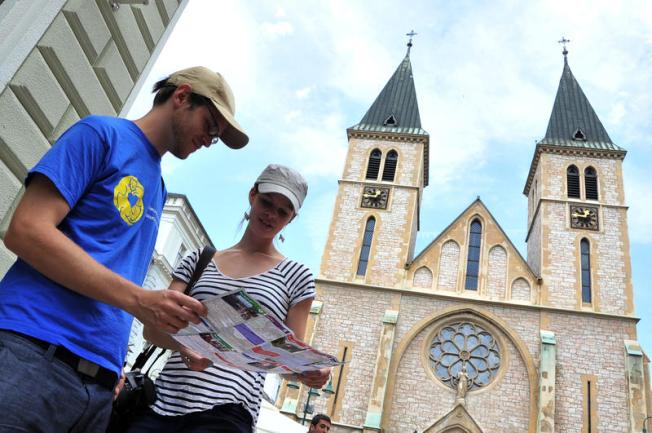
(285, 181)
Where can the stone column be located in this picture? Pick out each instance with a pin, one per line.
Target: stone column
(381, 371)
(635, 385)
(547, 365)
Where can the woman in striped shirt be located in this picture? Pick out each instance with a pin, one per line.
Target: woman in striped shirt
(196, 396)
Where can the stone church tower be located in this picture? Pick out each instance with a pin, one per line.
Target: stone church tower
(467, 335)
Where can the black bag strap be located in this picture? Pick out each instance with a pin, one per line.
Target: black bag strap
(205, 257)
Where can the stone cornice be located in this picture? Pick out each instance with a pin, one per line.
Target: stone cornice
(455, 297)
(375, 183)
(374, 135)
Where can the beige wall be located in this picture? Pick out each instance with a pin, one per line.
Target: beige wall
(395, 226)
(559, 243)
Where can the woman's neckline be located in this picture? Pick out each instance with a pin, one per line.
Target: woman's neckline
(247, 276)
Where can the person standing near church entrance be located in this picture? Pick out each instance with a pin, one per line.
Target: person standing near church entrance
(320, 424)
(84, 233)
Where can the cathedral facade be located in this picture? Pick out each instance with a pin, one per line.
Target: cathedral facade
(468, 335)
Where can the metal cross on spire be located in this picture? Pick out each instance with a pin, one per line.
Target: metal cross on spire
(564, 41)
(411, 35)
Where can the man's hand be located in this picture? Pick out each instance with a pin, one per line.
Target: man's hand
(315, 379)
(167, 310)
(120, 385)
(193, 360)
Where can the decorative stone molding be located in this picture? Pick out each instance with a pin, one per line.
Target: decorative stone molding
(381, 371)
(547, 383)
(635, 385)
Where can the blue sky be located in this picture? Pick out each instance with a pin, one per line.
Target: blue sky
(486, 75)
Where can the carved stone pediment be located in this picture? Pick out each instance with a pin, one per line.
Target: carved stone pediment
(457, 420)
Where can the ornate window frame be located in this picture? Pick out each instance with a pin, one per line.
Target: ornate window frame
(502, 342)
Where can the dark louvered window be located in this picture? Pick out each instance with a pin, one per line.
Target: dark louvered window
(573, 182)
(374, 164)
(591, 183)
(366, 246)
(579, 135)
(585, 250)
(473, 258)
(390, 121)
(390, 166)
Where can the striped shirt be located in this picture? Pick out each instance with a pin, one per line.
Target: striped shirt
(180, 390)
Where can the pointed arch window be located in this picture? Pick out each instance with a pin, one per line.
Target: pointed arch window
(473, 257)
(585, 252)
(591, 183)
(366, 246)
(390, 166)
(573, 181)
(374, 164)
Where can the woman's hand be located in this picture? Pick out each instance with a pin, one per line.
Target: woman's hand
(315, 379)
(193, 360)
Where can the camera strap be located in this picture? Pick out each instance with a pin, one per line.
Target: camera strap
(205, 257)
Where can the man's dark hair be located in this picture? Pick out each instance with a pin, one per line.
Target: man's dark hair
(164, 90)
(320, 417)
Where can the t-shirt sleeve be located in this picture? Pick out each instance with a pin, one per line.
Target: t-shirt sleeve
(186, 266)
(74, 162)
(301, 283)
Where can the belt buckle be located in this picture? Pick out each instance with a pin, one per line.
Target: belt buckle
(88, 368)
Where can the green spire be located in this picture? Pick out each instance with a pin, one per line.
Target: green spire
(395, 110)
(573, 122)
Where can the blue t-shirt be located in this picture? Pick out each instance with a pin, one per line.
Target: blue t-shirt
(110, 175)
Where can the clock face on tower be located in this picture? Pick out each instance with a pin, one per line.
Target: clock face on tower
(584, 217)
(374, 197)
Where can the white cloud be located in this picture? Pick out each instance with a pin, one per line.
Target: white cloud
(317, 149)
(639, 197)
(304, 92)
(277, 29)
(291, 116)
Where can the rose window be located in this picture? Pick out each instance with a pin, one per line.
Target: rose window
(465, 344)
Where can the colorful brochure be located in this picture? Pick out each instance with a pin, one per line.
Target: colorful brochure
(239, 333)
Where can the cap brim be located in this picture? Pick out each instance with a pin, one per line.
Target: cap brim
(234, 136)
(266, 188)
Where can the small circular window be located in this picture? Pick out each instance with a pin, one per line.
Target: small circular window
(465, 344)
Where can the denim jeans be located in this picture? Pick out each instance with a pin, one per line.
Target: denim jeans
(40, 394)
(224, 418)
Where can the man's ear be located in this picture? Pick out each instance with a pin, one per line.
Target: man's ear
(181, 94)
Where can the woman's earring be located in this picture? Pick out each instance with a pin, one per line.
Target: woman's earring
(281, 237)
(246, 216)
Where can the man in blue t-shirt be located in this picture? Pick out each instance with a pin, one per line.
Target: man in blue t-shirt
(84, 233)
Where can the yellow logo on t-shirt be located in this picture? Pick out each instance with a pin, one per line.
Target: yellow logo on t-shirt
(128, 199)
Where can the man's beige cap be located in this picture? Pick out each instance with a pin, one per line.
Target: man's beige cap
(214, 87)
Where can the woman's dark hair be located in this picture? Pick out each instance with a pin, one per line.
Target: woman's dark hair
(164, 90)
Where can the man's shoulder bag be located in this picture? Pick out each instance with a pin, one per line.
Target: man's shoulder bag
(138, 392)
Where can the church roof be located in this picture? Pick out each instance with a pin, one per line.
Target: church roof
(395, 109)
(573, 122)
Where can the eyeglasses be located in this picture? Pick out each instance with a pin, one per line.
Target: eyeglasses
(214, 134)
(212, 128)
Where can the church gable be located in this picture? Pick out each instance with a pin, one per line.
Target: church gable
(473, 255)
(457, 420)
